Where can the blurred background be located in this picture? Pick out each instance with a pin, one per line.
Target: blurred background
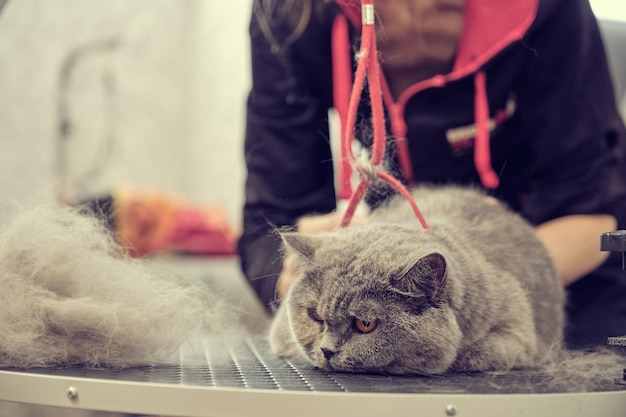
(99, 94)
(104, 93)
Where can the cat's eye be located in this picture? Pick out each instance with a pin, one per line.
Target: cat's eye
(315, 315)
(365, 326)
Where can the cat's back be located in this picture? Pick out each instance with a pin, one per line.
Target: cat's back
(466, 214)
(494, 238)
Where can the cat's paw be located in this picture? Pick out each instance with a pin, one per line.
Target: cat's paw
(499, 353)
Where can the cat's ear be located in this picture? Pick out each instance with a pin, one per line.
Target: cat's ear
(427, 277)
(301, 244)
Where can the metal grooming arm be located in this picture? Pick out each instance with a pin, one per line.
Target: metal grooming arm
(616, 242)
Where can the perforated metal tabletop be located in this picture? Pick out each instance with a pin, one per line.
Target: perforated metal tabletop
(251, 365)
(247, 379)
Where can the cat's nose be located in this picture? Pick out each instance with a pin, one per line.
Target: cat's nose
(328, 353)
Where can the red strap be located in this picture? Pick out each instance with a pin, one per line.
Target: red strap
(482, 151)
(342, 81)
(399, 130)
(369, 66)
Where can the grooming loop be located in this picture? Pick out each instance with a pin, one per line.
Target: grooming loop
(368, 66)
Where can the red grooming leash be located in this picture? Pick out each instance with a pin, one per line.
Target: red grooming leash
(369, 66)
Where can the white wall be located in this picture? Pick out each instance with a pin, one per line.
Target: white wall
(172, 117)
(609, 9)
(221, 88)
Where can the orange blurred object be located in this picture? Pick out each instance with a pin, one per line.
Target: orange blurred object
(149, 222)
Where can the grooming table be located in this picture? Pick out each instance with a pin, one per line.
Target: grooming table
(245, 379)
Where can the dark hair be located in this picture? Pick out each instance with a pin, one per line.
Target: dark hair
(294, 14)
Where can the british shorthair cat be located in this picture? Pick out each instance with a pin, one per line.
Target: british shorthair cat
(475, 292)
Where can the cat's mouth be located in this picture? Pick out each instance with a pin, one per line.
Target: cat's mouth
(326, 364)
(326, 367)
(329, 367)
(350, 366)
(320, 362)
(353, 369)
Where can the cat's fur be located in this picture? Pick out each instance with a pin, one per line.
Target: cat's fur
(476, 292)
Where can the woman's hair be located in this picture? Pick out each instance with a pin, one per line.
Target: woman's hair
(269, 14)
(294, 15)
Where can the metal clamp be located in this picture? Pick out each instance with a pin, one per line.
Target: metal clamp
(614, 242)
(367, 14)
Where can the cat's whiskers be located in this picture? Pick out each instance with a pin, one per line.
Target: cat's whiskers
(263, 277)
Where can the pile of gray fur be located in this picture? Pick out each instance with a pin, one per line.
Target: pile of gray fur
(70, 295)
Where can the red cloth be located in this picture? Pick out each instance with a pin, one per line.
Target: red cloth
(150, 222)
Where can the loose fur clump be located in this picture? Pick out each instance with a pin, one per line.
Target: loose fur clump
(593, 369)
(70, 295)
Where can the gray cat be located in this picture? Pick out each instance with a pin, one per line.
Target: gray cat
(476, 292)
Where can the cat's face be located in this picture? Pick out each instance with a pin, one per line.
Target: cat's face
(360, 309)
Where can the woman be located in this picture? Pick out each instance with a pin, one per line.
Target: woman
(551, 147)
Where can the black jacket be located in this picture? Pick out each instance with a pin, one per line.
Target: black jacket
(556, 138)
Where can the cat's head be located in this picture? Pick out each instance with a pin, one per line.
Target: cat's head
(371, 299)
